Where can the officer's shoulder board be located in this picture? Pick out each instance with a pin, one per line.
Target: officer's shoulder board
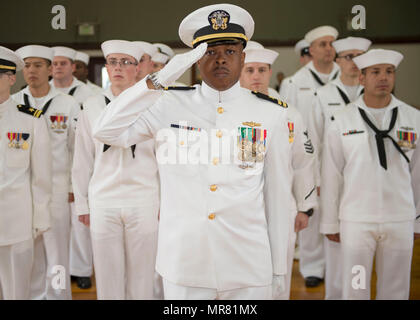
(271, 99)
(180, 88)
(29, 110)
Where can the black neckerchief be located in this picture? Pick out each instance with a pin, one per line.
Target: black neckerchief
(44, 108)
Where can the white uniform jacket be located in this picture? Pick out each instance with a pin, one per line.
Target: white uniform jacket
(59, 117)
(79, 90)
(328, 100)
(220, 215)
(117, 177)
(25, 174)
(94, 87)
(302, 160)
(355, 186)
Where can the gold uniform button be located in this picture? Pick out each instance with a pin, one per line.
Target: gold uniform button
(220, 110)
(181, 143)
(219, 134)
(212, 216)
(213, 187)
(215, 161)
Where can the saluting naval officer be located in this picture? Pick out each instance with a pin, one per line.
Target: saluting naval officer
(25, 183)
(81, 71)
(371, 182)
(58, 111)
(300, 92)
(117, 190)
(330, 98)
(222, 153)
(256, 76)
(146, 64)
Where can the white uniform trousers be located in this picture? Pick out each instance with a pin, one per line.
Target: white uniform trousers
(393, 245)
(333, 276)
(81, 257)
(53, 263)
(15, 270)
(124, 243)
(311, 249)
(174, 291)
(290, 256)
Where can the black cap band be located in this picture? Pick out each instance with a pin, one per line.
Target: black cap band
(6, 65)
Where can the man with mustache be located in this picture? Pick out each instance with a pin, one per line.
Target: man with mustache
(371, 183)
(59, 110)
(331, 98)
(25, 175)
(223, 157)
(300, 92)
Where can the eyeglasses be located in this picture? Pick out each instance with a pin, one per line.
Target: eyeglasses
(124, 63)
(350, 56)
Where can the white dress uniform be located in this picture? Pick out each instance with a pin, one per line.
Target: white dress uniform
(373, 208)
(222, 226)
(329, 99)
(302, 164)
(25, 194)
(300, 92)
(119, 187)
(94, 87)
(59, 113)
(80, 244)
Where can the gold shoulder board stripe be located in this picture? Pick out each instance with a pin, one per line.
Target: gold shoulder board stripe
(271, 99)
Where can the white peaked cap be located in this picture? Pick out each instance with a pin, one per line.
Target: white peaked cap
(301, 45)
(10, 56)
(378, 56)
(147, 47)
(214, 23)
(81, 56)
(122, 46)
(255, 52)
(36, 51)
(321, 32)
(64, 52)
(351, 43)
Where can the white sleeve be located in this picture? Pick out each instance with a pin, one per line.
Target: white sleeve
(41, 175)
(332, 179)
(303, 165)
(75, 108)
(83, 164)
(277, 196)
(316, 130)
(121, 124)
(415, 181)
(288, 92)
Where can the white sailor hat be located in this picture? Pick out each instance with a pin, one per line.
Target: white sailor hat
(10, 60)
(378, 56)
(164, 53)
(36, 51)
(321, 32)
(302, 47)
(216, 24)
(122, 46)
(255, 52)
(351, 43)
(146, 47)
(81, 56)
(64, 52)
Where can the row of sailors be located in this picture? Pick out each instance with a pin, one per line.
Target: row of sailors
(116, 181)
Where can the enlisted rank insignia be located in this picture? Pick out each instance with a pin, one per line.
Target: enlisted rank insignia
(291, 127)
(18, 140)
(268, 98)
(219, 19)
(29, 110)
(309, 148)
(251, 145)
(350, 132)
(406, 139)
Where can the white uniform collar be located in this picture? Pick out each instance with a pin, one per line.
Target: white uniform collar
(108, 93)
(341, 85)
(360, 102)
(220, 96)
(73, 84)
(335, 71)
(51, 94)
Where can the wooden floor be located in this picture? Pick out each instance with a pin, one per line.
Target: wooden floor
(298, 290)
